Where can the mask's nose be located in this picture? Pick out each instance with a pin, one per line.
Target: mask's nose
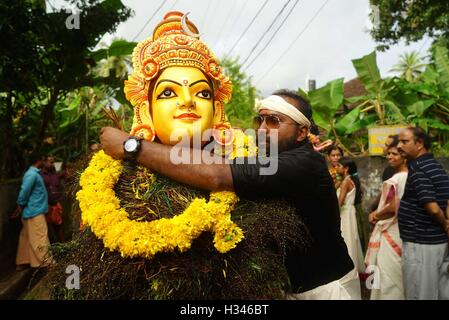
(188, 102)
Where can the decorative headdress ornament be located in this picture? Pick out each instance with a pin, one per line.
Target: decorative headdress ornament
(175, 42)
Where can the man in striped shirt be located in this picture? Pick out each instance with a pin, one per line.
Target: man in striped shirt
(423, 224)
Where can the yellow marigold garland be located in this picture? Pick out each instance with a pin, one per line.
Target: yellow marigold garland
(102, 212)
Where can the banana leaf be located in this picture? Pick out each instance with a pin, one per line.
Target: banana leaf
(321, 122)
(394, 112)
(326, 101)
(344, 124)
(429, 76)
(436, 124)
(368, 72)
(419, 107)
(442, 65)
(362, 123)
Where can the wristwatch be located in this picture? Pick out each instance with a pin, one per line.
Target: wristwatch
(131, 147)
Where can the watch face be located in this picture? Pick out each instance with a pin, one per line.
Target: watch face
(130, 145)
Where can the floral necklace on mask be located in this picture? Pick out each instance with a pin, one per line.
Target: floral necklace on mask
(101, 210)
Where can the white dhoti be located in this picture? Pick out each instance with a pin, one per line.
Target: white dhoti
(350, 231)
(346, 288)
(34, 243)
(390, 284)
(385, 246)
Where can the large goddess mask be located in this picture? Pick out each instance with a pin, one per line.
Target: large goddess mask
(177, 84)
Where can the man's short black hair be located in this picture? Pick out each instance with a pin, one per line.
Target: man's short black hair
(314, 129)
(303, 104)
(35, 158)
(45, 158)
(421, 135)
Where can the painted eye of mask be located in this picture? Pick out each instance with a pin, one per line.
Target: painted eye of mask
(167, 93)
(205, 94)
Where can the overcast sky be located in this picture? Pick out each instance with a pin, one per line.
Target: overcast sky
(329, 34)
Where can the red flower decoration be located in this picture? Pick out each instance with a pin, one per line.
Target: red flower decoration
(149, 68)
(213, 69)
(223, 134)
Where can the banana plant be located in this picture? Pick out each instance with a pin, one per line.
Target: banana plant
(326, 103)
(378, 96)
(423, 102)
(427, 100)
(79, 117)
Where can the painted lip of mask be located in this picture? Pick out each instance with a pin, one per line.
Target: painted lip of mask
(188, 116)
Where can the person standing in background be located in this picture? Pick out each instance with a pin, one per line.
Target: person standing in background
(349, 194)
(51, 179)
(385, 245)
(388, 171)
(334, 154)
(423, 224)
(32, 205)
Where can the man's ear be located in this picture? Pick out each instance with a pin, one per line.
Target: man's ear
(420, 144)
(302, 133)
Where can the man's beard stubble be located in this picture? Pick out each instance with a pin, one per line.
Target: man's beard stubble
(282, 146)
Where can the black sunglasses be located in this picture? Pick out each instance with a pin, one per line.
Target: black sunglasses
(271, 120)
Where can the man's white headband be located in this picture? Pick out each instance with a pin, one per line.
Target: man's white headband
(276, 103)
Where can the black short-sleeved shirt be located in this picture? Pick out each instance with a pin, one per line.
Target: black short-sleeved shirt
(426, 182)
(302, 178)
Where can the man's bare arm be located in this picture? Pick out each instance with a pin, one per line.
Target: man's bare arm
(435, 211)
(214, 177)
(156, 157)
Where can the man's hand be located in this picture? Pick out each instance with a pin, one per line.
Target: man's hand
(372, 218)
(447, 210)
(446, 225)
(112, 141)
(16, 212)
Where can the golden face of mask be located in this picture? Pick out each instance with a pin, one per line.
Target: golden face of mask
(182, 104)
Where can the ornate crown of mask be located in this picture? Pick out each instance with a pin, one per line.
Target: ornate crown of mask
(174, 43)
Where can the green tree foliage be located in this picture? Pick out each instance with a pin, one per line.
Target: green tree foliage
(410, 66)
(41, 62)
(394, 20)
(240, 109)
(423, 102)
